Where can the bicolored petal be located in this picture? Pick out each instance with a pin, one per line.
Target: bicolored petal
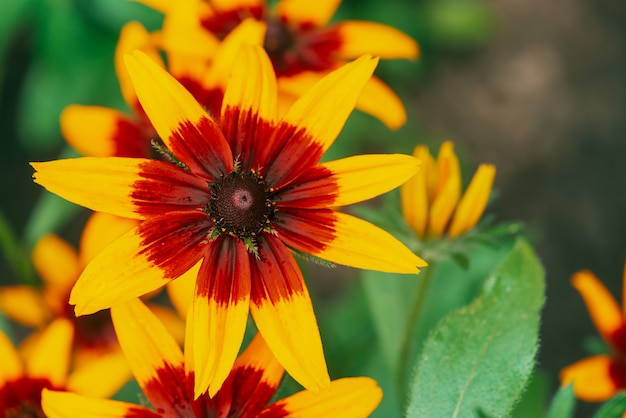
(603, 308)
(220, 312)
(595, 379)
(447, 190)
(345, 239)
(302, 12)
(414, 194)
(254, 379)
(101, 377)
(133, 36)
(50, 357)
(142, 260)
(56, 262)
(351, 397)
(379, 101)
(187, 129)
(312, 124)
(97, 131)
(126, 187)
(174, 323)
(70, 405)
(24, 304)
(249, 107)
(154, 357)
(384, 41)
(100, 230)
(473, 203)
(11, 364)
(349, 180)
(282, 310)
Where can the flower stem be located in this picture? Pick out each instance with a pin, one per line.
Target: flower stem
(15, 254)
(414, 315)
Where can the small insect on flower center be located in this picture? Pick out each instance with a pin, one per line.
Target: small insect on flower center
(240, 204)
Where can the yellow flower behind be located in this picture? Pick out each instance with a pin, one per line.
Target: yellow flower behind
(432, 204)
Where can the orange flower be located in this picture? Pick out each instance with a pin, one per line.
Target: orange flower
(166, 377)
(301, 43)
(431, 200)
(600, 377)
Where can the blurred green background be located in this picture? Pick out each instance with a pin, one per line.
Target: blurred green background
(535, 87)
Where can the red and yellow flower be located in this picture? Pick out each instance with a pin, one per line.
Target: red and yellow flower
(431, 200)
(598, 378)
(243, 193)
(46, 365)
(165, 375)
(301, 43)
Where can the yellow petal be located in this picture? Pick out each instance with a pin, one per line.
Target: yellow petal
(24, 304)
(447, 192)
(127, 269)
(220, 312)
(379, 101)
(351, 397)
(174, 323)
(153, 355)
(69, 405)
(133, 36)
(101, 377)
(100, 184)
(386, 42)
(56, 262)
(591, 378)
(181, 290)
(93, 130)
(414, 194)
(251, 32)
(366, 176)
(358, 243)
(187, 129)
(182, 33)
(317, 13)
(100, 230)
(282, 310)
(50, 358)
(11, 364)
(603, 309)
(323, 110)
(473, 203)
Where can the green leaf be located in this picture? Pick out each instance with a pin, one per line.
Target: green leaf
(534, 400)
(563, 403)
(482, 356)
(613, 408)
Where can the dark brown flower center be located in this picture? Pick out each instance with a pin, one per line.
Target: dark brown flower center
(240, 204)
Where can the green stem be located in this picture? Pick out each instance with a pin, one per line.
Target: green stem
(14, 254)
(414, 315)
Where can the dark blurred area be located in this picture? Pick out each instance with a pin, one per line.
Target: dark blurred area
(536, 87)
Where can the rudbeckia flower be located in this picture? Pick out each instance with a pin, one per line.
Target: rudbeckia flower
(244, 192)
(301, 43)
(22, 378)
(598, 378)
(431, 201)
(165, 375)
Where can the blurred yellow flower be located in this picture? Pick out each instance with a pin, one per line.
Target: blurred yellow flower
(431, 200)
(598, 378)
(298, 37)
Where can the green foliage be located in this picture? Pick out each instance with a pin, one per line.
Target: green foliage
(613, 408)
(534, 400)
(563, 403)
(481, 356)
